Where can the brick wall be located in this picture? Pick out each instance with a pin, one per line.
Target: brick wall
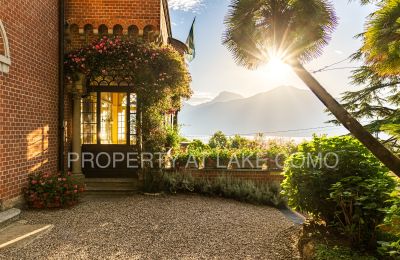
(87, 18)
(28, 94)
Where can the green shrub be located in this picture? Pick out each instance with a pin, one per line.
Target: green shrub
(52, 191)
(239, 142)
(325, 252)
(173, 138)
(197, 145)
(390, 244)
(311, 172)
(359, 207)
(349, 195)
(219, 140)
(152, 180)
(192, 159)
(225, 186)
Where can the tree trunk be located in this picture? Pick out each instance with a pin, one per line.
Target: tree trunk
(379, 150)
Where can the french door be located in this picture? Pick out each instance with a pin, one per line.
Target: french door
(109, 125)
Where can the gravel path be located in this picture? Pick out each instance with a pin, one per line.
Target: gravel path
(172, 227)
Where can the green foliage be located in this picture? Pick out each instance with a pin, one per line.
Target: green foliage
(52, 190)
(290, 29)
(239, 142)
(359, 203)
(390, 245)
(173, 138)
(381, 43)
(225, 186)
(152, 181)
(325, 252)
(309, 177)
(378, 100)
(197, 145)
(219, 140)
(158, 73)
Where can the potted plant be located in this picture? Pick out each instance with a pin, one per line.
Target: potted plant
(217, 159)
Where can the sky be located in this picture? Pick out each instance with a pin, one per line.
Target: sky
(214, 69)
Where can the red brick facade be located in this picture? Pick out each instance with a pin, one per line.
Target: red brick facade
(29, 91)
(28, 94)
(88, 19)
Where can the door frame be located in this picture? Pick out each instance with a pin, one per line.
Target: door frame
(119, 172)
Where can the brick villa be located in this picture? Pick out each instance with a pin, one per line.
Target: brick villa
(37, 117)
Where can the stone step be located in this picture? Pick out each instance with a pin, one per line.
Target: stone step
(19, 234)
(112, 184)
(9, 216)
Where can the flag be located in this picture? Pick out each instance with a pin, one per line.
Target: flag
(190, 43)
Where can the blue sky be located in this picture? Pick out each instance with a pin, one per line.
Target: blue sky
(214, 70)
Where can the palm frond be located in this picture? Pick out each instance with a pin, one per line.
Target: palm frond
(290, 29)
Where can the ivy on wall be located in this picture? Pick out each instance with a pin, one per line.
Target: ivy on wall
(158, 74)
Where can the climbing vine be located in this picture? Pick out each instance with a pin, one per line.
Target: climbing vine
(158, 74)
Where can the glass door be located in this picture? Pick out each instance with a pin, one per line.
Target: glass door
(113, 118)
(109, 118)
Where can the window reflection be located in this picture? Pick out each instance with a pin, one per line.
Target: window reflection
(89, 119)
(113, 120)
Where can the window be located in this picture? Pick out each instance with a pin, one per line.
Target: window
(5, 60)
(133, 119)
(109, 118)
(89, 119)
(118, 30)
(133, 31)
(113, 118)
(103, 30)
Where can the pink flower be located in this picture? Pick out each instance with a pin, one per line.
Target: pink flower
(75, 191)
(34, 182)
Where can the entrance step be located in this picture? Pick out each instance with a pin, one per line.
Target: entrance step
(112, 185)
(9, 216)
(20, 234)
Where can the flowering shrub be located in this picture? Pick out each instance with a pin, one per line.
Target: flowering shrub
(158, 74)
(52, 190)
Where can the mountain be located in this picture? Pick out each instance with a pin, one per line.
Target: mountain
(226, 96)
(281, 109)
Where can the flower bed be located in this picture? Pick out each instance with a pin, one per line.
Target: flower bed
(52, 191)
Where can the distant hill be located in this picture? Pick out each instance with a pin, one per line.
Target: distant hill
(283, 108)
(225, 96)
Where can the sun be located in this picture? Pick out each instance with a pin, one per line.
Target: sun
(276, 68)
(275, 71)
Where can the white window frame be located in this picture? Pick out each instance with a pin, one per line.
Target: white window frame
(5, 60)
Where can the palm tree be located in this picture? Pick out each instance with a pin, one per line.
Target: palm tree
(294, 31)
(382, 40)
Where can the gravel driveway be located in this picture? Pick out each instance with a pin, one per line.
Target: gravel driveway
(172, 227)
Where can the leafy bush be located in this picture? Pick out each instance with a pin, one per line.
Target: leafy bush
(192, 159)
(52, 190)
(219, 140)
(173, 138)
(197, 145)
(359, 202)
(152, 181)
(325, 252)
(224, 186)
(239, 142)
(390, 245)
(322, 162)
